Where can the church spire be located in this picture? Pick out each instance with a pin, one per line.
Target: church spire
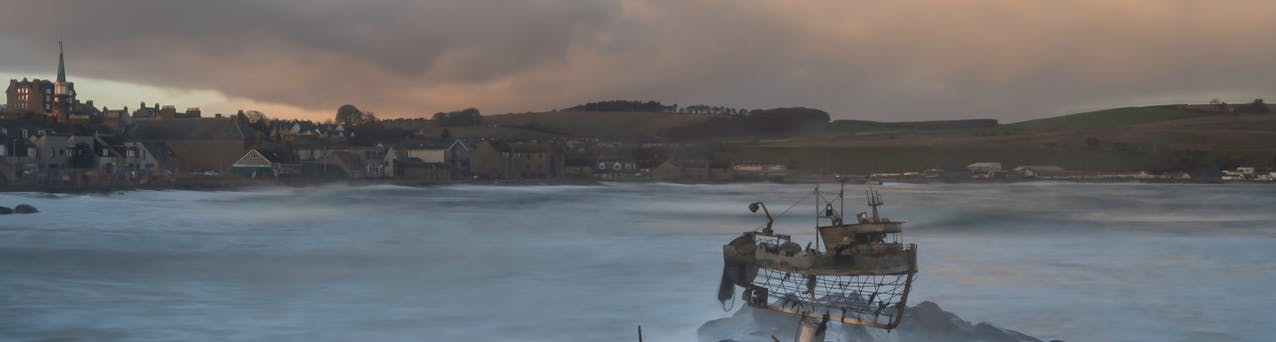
(61, 64)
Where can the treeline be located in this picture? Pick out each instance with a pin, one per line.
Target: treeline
(755, 123)
(914, 125)
(655, 106)
(622, 106)
(464, 117)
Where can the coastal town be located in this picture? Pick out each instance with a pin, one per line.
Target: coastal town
(51, 139)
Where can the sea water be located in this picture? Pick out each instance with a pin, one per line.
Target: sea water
(1079, 262)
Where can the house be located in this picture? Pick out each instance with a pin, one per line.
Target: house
(17, 154)
(498, 160)
(453, 157)
(257, 163)
(346, 162)
(145, 161)
(116, 119)
(402, 165)
(701, 170)
(615, 169)
(667, 171)
(199, 144)
(374, 164)
(79, 157)
(760, 169)
(984, 167)
(353, 163)
(1034, 171)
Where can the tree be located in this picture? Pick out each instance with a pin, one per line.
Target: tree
(446, 134)
(1259, 107)
(255, 117)
(257, 120)
(465, 117)
(349, 115)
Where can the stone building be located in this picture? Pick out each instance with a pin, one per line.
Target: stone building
(33, 96)
(57, 98)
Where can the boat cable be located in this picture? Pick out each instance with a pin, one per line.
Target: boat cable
(786, 211)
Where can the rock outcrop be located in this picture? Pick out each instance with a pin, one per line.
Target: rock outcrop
(25, 209)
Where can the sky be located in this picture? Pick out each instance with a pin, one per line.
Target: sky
(896, 60)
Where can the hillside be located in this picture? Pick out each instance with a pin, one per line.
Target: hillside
(1162, 139)
(611, 125)
(1170, 137)
(1108, 118)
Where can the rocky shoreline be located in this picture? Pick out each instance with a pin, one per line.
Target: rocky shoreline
(924, 322)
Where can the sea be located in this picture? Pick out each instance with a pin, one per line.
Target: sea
(1069, 261)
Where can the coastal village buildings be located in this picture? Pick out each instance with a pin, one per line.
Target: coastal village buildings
(199, 144)
(1034, 171)
(54, 99)
(760, 170)
(696, 170)
(616, 169)
(48, 136)
(429, 161)
(30, 96)
(498, 160)
(257, 163)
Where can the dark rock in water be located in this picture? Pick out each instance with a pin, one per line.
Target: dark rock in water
(922, 322)
(25, 209)
(5, 211)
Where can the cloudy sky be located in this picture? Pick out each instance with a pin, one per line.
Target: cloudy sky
(882, 60)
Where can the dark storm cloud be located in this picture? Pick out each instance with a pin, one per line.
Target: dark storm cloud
(875, 59)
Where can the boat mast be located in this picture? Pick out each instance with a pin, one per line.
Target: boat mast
(841, 200)
(873, 201)
(817, 217)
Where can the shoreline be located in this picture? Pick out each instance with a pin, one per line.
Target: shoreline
(235, 184)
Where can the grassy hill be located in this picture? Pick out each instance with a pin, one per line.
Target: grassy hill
(1118, 139)
(610, 125)
(1133, 138)
(1108, 118)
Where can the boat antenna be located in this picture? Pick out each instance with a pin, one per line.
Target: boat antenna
(874, 200)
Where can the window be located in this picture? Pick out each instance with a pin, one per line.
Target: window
(4, 150)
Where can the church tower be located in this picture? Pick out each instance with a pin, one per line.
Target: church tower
(63, 91)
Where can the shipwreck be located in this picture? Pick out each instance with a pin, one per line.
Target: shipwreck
(855, 272)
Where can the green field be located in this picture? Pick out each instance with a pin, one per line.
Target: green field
(1108, 118)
